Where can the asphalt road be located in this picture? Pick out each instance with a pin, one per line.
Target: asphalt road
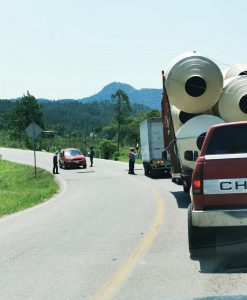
(108, 235)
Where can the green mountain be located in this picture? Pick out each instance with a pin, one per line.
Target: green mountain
(145, 96)
(148, 97)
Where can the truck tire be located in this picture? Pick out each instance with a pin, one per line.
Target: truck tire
(186, 184)
(146, 170)
(152, 172)
(186, 188)
(198, 237)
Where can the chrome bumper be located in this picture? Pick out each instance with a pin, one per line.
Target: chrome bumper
(219, 218)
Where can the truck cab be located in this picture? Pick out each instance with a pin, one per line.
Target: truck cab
(219, 183)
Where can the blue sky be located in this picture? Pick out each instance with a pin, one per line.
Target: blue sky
(71, 49)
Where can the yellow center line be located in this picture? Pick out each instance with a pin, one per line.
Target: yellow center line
(111, 287)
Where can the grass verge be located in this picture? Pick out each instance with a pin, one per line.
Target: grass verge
(19, 189)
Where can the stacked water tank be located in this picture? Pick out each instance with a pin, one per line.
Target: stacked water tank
(201, 97)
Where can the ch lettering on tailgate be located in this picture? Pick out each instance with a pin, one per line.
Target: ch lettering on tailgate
(225, 186)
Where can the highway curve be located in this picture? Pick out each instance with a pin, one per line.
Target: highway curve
(111, 235)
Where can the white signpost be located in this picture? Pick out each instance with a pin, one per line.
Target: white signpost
(33, 130)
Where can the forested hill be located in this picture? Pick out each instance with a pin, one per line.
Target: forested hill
(67, 116)
(70, 123)
(88, 114)
(145, 96)
(72, 116)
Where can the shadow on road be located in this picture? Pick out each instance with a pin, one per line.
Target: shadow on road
(127, 170)
(182, 198)
(155, 177)
(84, 172)
(229, 253)
(160, 176)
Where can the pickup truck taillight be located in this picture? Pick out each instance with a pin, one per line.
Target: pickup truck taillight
(197, 176)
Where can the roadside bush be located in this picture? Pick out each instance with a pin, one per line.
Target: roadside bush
(107, 148)
(116, 155)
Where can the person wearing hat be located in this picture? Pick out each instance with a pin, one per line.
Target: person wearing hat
(132, 158)
(55, 166)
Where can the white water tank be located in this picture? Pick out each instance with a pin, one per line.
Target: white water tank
(190, 136)
(193, 83)
(232, 105)
(236, 70)
(180, 117)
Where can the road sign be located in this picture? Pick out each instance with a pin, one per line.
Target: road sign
(33, 130)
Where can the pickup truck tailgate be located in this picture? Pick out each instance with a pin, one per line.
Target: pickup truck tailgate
(225, 181)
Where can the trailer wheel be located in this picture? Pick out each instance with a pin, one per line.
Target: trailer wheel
(146, 169)
(186, 184)
(186, 188)
(152, 172)
(146, 172)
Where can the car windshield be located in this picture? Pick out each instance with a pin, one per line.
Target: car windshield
(72, 152)
(228, 140)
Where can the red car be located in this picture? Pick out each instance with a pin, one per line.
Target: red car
(72, 158)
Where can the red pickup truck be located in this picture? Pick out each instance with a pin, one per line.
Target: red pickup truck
(219, 183)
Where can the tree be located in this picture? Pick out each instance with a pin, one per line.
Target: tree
(25, 111)
(151, 114)
(109, 131)
(122, 108)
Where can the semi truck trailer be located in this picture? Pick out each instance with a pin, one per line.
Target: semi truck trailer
(152, 148)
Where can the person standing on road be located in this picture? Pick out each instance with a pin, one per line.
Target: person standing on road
(55, 166)
(91, 155)
(132, 158)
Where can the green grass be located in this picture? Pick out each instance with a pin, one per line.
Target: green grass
(19, 189)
